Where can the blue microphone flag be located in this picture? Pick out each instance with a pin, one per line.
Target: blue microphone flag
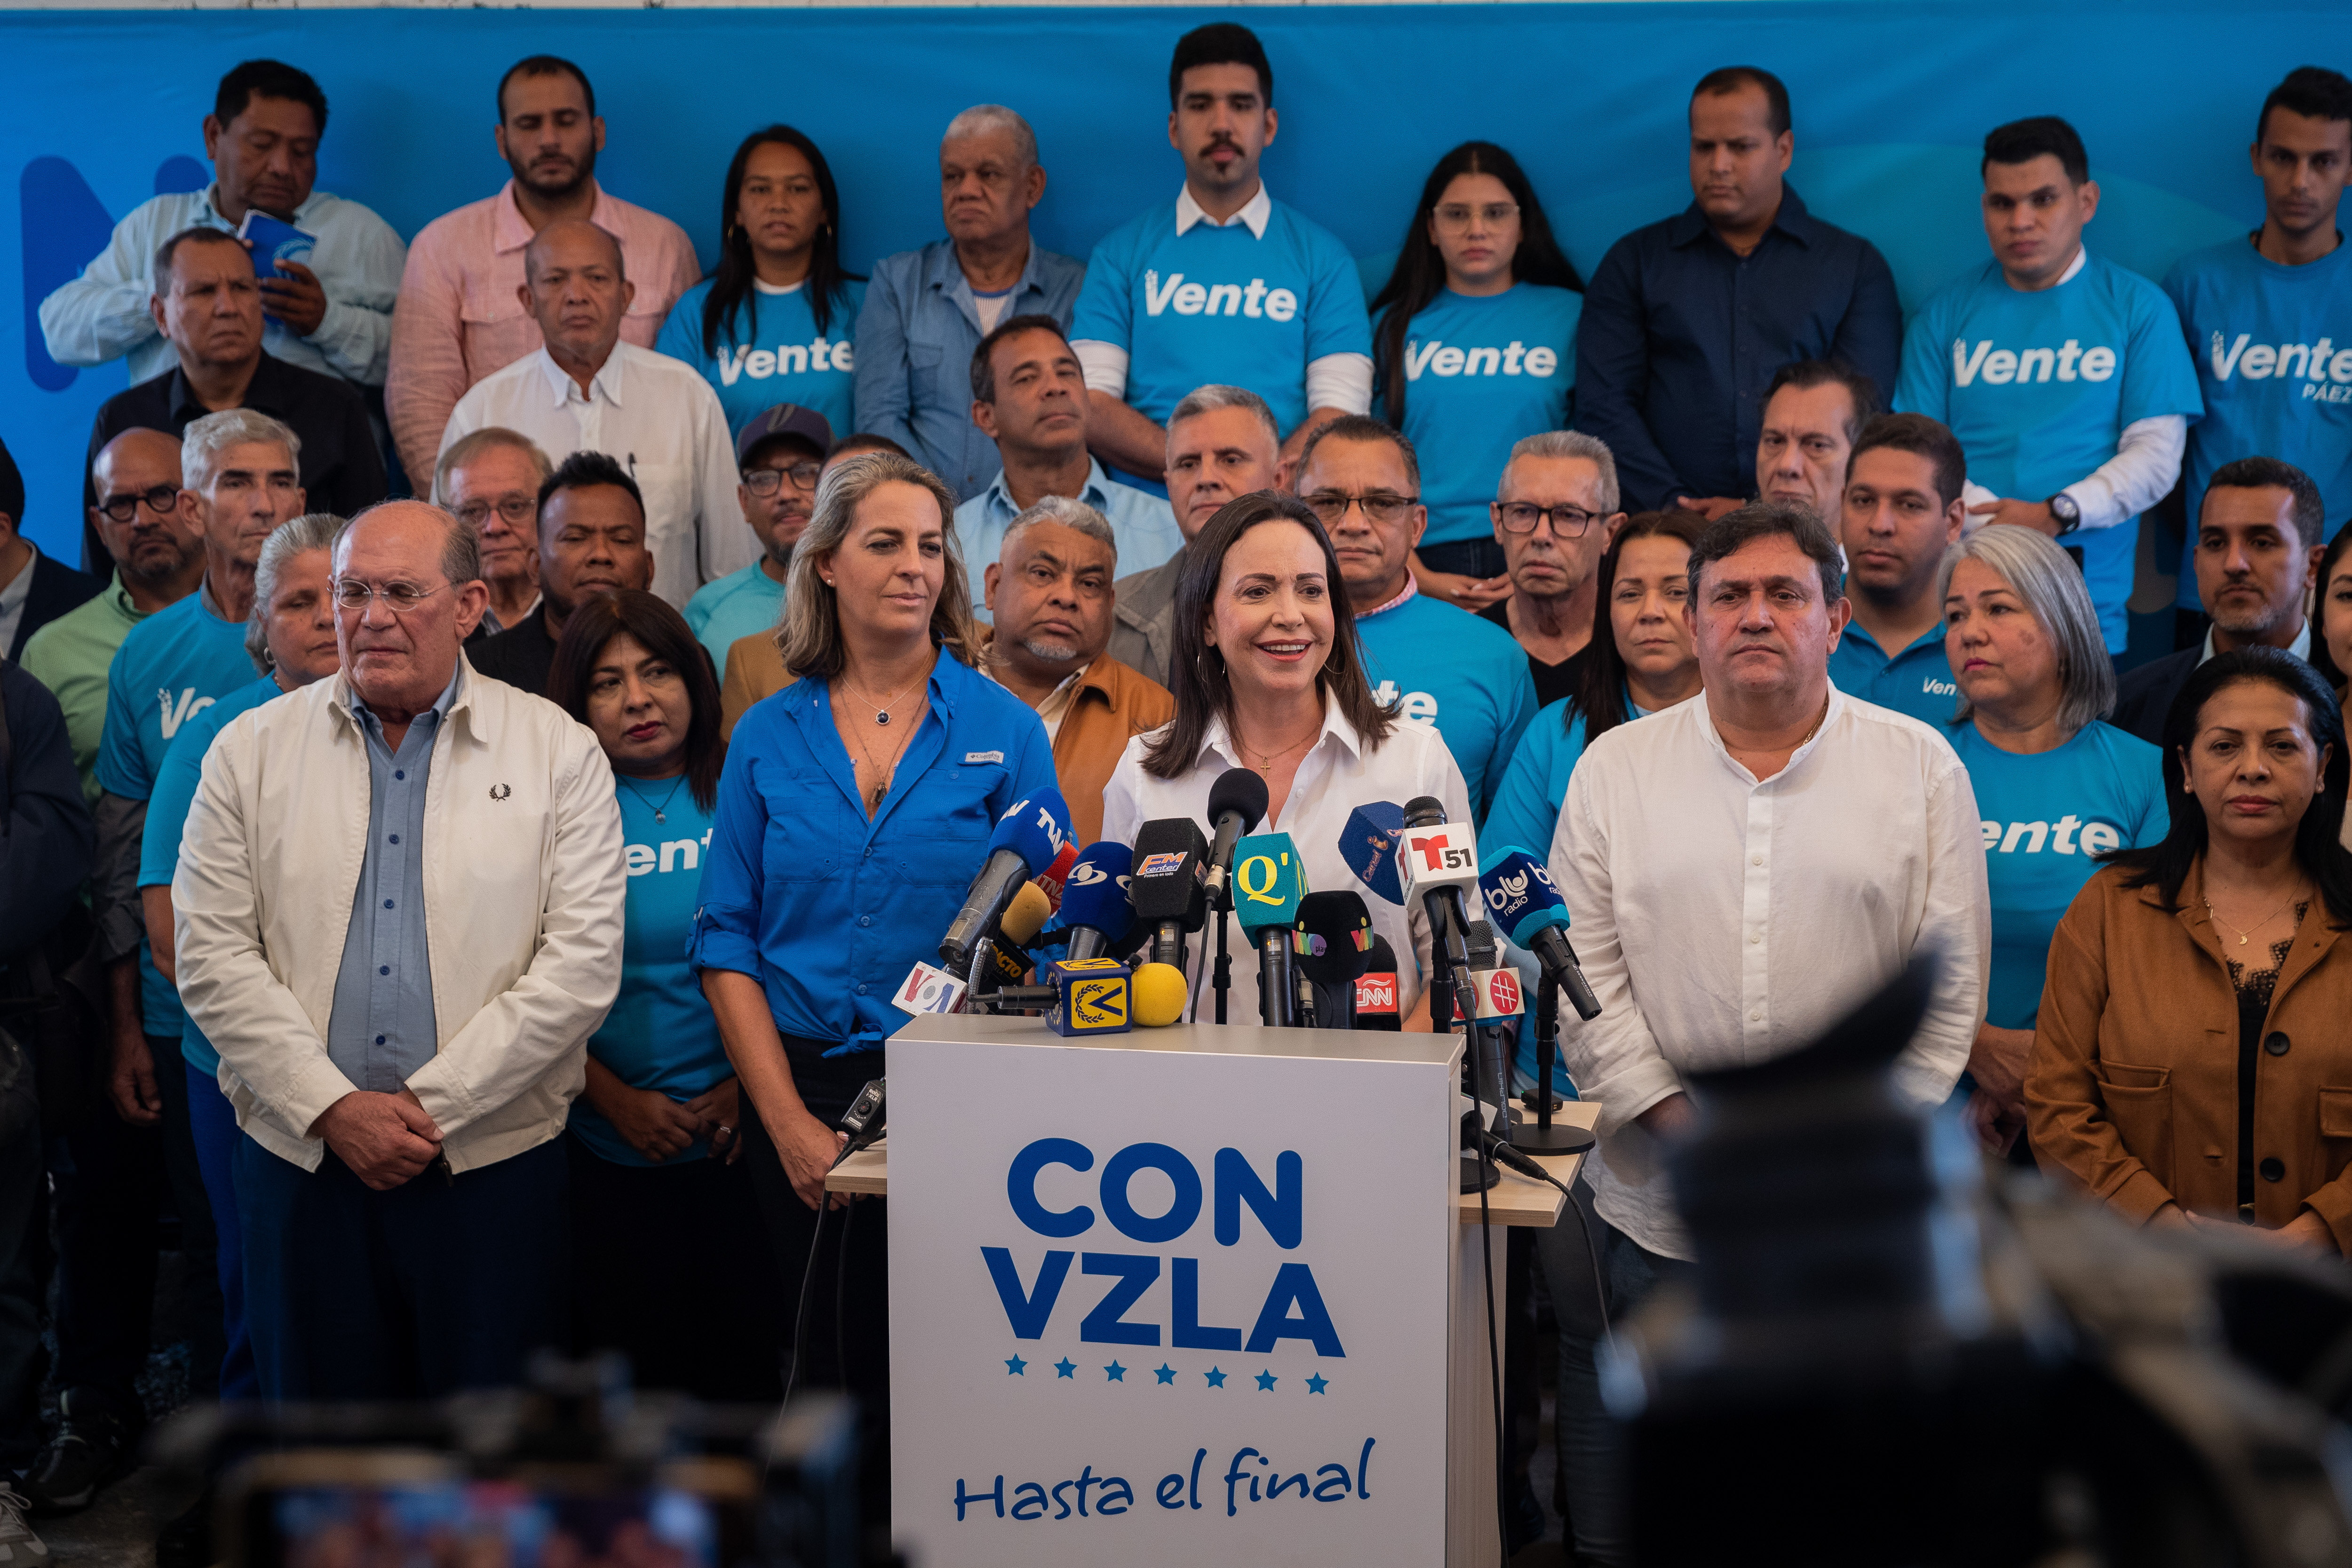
(1368, 846)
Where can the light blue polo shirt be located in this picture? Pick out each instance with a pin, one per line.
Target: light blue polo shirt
(1143, 523)
(2039, 387)
(1247, 304)
(1464, 676)
(734, 606)
(2277, 383)
(1917, 681)
(173, 665)
(782, 359)
(1480, 374)
(2044, 816)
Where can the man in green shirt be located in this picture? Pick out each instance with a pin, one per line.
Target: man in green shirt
(158, 560)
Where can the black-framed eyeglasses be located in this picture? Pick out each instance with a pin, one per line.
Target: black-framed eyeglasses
(518, 511)
(1378, 506)
(765, 481)
(156, 497)
(1566, 521)
(398, 598)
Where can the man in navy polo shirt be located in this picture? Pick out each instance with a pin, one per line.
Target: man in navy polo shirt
(1902, 506)
(1226, 285)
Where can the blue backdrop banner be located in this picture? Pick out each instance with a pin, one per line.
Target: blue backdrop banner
(1891, 101)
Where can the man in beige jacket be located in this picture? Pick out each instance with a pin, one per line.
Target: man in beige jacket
(398, 913)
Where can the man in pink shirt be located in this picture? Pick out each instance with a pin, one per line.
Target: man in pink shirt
(459, 317)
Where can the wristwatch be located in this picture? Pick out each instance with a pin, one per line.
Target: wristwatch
(2069, 516)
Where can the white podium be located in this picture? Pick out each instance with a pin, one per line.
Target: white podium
(1184, 1294)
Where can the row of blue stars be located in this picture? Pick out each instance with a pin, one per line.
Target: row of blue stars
(1015, 1367)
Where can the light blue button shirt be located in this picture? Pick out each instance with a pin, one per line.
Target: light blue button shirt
(102, 315)
(1143, 523)
(384, 1027)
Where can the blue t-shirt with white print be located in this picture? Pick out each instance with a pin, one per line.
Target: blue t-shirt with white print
(2043, 815)
(1916, 680)
(1481, 372)
(174, 663)
(783, 358)
(1461, 674)
(660, 1033)
(2039, 387)
(2273, 346)
(1221, 304)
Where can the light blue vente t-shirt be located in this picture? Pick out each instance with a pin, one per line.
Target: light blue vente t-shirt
(173, 665)
(2039, 387)
(1221, 304)
(783, 358)
(1480, 374)
(167, 818)
(2043, 815)
(734, 606)
(660, 1034)
(2273, 346)
(1461, 674)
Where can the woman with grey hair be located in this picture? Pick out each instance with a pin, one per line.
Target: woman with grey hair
(2055, 784)
(291, 636)
(855, 808)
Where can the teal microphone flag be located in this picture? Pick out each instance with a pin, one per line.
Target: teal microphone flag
(1269, 882)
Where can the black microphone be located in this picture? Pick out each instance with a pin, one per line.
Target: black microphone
(1237, 804)
(1376, 989)
(1334, 946)
(1027, 839)
(1169, 889)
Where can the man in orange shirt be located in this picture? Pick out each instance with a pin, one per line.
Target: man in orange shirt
(459, 317)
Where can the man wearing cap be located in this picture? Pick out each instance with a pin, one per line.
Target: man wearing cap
(779, 455)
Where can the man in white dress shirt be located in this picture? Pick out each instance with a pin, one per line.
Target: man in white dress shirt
(1728, 909)
(584, 389)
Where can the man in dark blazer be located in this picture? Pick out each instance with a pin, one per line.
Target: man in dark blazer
(34, 589)
(2260, 537)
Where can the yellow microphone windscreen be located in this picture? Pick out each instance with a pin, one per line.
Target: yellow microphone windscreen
(1025, 915)
(1159, 995)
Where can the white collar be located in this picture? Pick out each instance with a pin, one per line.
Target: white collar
(1714, 737)
(1254, 212)
(2300, 647)
(1336, 728)
(2082, 260)
(605, 384)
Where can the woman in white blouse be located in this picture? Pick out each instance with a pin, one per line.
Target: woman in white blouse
(1267, 675)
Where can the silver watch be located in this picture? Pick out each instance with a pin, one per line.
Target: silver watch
(2069, 515)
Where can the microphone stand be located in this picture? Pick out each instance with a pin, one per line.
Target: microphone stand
(1451, 981)
(1542, 1137)
(1224, 966)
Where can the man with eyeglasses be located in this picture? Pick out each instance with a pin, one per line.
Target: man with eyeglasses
(401, 1032)
(490, 479)
(780, 453)
(242, 477)
(1686, 320)
(1029, 394)
(591, 539)
(1555, 512)
(158, 560)
(1443, 666)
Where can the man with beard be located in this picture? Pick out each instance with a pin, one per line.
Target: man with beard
(490, 479)
(1902, 506)
(1050, 592)
(782, 454)
(1554, 513)
(458, 319)
(591, 539)
(2260, 536)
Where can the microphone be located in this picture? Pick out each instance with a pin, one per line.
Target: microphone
(1028, 840)
(1367, 843)
(1527, 905)
(1169, 889)
(1158, 992)
(1437, 862)
(1237, 804)
(1095, 906)
(1332, 945)
(1016, 932)
(1376, 989)
(1269, 882)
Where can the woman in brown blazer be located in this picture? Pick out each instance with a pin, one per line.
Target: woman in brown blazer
(2192, 1063)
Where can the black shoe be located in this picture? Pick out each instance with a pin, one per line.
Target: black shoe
(91, 1447)
(187, 1542)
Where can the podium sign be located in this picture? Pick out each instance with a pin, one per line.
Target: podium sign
(1173, 1296)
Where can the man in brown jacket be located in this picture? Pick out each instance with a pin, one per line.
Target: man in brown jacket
(1050, 592)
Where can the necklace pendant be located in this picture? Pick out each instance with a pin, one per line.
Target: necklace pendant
(882, 715)
(2242, 942)
(661, 816)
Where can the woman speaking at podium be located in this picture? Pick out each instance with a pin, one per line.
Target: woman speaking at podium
(1266, 675)
(854, 812)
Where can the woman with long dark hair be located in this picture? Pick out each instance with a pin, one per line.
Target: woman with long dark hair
(1642, 658)
(1474, 346)
(1267, 675)
(773, 324)
(2191, 1041)
(659, 1213)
